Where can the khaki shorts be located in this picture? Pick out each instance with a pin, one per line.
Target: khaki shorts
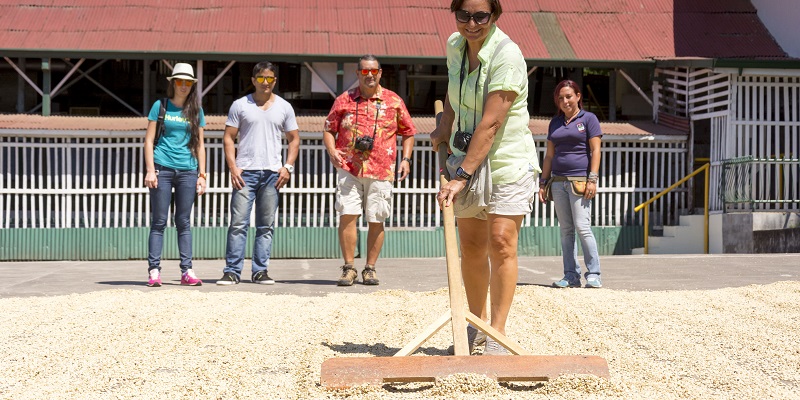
(509, 199)
(352, 193)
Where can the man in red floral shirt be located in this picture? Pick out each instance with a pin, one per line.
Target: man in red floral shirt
(361, 138)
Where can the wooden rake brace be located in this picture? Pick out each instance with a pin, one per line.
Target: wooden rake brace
(345, 372)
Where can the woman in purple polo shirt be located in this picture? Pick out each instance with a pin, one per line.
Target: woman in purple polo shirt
(571, 166)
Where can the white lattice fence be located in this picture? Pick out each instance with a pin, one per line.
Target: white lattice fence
(766, 125)
(688, 92)
(84, 179)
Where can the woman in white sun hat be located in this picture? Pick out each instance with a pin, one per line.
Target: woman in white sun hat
(176, 159)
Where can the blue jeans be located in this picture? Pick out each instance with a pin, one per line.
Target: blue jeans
(185, 183)
(259, 187)
(575, 214)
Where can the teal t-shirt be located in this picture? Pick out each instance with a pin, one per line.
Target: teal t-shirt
(172, 150)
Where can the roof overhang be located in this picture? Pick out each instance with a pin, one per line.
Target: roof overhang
(298, 58)
(733, 63)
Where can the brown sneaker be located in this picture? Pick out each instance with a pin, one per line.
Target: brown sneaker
(349, 276)
(369, 276)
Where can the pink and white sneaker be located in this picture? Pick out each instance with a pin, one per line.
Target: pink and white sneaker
(155, 278)
(189, 278)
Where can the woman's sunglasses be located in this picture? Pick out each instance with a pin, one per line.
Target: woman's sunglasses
(480, 17)
(366, 71)
(183, 82)
(261, 79)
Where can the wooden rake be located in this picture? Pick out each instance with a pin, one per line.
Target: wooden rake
(345, 372)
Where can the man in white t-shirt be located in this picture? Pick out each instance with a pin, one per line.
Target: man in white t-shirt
(257, 173)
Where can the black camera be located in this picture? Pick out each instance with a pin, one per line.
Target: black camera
(461, 140)
(364, 143)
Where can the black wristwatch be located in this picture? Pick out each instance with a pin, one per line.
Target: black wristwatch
(407, 159)
(463, 174)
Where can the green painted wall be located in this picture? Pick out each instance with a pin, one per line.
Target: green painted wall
(209, 243)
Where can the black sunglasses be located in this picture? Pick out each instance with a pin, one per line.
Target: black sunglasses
(480, 17)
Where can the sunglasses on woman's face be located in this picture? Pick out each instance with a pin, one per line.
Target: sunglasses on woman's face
(480, 17)
(261, 79)
(183, 82)
(367, 71)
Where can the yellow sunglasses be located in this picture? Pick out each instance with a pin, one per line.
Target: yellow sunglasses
(261, 79)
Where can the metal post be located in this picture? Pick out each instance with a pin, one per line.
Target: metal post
(199, 88)
(612, 95)
(339, 78)
(146, 86)
(21, 86)
(220, 87)
(646, 228)
(403, 85)
(705, 207)
(46, 87)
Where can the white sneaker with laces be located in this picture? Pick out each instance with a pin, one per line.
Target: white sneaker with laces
(495, 349)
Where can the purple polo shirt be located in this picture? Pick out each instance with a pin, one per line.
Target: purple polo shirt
(572, 143)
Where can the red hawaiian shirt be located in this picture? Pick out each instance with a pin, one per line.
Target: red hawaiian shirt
(385, 115)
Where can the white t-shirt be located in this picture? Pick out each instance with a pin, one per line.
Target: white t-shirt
(260, 132)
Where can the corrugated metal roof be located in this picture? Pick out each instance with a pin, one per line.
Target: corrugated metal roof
(306, 123)
(600, 30)
(530, 43)
(723, 36)
(562, 6)
(552, 36)
(646, 31)
(592, 39)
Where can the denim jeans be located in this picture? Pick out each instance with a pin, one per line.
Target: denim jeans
(259, 187)
(575, 214)
(184, 183)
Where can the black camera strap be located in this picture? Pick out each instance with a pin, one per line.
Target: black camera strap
(461, 91)
(377, 112)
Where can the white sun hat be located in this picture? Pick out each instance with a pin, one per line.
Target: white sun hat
(182, 71)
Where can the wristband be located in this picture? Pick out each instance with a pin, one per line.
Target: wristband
(407, 159)
(202, 175)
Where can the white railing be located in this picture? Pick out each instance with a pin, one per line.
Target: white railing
(750, 116)
(765, 124)
(90, 179)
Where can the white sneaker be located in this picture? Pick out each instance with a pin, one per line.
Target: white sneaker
(594, 282)
(495, 349)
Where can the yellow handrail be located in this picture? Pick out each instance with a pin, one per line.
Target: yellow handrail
(646, 206)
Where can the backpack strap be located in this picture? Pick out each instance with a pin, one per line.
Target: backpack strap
(162, 111)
